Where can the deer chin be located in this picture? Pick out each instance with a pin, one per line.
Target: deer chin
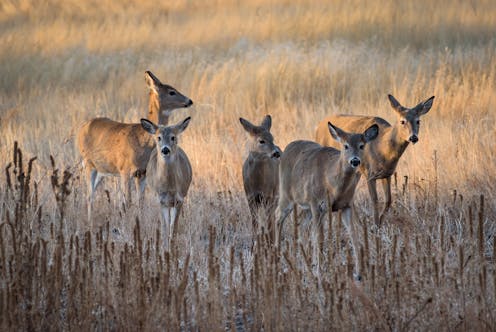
(169, 157)
(408, 141)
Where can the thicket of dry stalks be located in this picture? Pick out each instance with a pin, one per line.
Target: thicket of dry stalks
(431, 266)
(434, 271)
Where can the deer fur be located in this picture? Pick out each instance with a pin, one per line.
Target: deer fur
(169, 171)
(310, 173)
(261, 170)
(382, 155)
(114, 148)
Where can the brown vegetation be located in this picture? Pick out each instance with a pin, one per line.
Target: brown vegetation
(430, 266)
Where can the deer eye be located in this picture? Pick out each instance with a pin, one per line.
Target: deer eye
(418, 121)
(362, 146)
(159, 138)
(173, 138)
(172, 93)
(261, 141)
(402, 122)
(346, 147)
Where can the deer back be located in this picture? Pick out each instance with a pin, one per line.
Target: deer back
(303, 171)
(349, 123)
(114, 147)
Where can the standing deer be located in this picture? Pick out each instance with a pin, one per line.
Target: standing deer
(169, 171)
(382, 155)
(114, 148)
(261, 170)
(310, 172)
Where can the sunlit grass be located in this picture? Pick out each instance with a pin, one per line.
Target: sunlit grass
(63, 62)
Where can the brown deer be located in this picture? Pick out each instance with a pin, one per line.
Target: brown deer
(261, 170)
(309, 173)
(168, 172)
(114, 148)
(382, 155)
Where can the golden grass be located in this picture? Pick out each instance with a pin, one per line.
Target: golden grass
(63, 62)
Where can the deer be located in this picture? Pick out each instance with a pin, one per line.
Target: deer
(261, 170)
(168, 172)
(109, 147)
(381, 156)
(318, 178)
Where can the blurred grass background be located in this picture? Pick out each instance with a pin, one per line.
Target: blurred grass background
(63, 62)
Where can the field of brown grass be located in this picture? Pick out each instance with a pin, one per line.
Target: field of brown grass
(431, 266)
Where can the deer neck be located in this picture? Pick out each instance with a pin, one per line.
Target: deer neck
(392, 145)
(396, 145)
(341, 176)
(155, 112)
(383, 154)
(166, 167)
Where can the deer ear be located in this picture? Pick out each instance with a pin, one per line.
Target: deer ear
(183, 125)
(248, 126)
(149, 126)
(396, 105)
(152, 81)
(371, 133)
(336, 133)
(266, 123)
(425, 106)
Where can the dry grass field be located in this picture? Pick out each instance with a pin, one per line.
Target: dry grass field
(431, 266)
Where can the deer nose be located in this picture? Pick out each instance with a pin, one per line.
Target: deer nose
(413, 139)
(165, 151)
(189, 103)
(276, 154)
(355, 162)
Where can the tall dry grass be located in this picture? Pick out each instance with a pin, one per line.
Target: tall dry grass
(63, 62)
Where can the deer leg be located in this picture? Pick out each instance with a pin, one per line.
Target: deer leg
(271, 219)
(386, 186)
(318, 213)
(91, 175)
(174, 217)
(371, 184)
(282, 211)
(253, 212)
(126, 189)
(140, 182)
(98, 179)
(350, 226)
(166, 217)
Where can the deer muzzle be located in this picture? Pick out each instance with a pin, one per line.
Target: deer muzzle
(355, 162)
